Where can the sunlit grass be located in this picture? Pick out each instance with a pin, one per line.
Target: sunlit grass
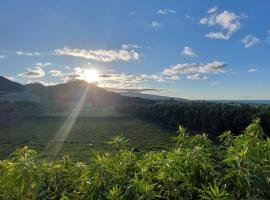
(56, 143)
(89, 133)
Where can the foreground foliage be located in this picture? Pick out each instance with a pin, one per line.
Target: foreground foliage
(237, 168)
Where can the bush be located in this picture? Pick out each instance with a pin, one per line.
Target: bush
(237, 168)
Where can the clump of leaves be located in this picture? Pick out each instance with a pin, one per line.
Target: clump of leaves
(119, 142)
(214, 192)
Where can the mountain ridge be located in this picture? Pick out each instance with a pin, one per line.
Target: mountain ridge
(150, 96)
(73, 90)
(69, 92)
(7, 85)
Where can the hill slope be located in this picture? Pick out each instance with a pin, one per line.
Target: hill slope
(9, 86)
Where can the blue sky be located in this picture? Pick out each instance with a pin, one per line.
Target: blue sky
(192, 49)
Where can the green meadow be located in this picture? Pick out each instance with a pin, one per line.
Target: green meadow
(90, 132)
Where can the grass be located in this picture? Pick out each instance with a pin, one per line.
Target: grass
(90, 132)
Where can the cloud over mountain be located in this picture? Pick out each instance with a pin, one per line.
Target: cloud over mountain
(33, 73)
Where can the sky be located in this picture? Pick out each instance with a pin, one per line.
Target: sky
(195, 49)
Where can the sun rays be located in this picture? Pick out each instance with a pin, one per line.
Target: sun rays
(55, 145)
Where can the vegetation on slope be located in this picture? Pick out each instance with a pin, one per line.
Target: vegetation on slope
(237, 168)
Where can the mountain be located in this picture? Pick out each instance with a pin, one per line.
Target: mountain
(63, 94)
(14, 92)
(35, 88)
(73, 91)
(150, 96)
(8, 86)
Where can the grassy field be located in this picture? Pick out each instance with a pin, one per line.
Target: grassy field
(91, 131)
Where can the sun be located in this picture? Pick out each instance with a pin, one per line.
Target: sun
(91, 75)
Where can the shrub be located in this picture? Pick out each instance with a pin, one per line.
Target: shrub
(237, 168)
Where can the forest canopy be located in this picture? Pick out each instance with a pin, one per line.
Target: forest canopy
(212, 118)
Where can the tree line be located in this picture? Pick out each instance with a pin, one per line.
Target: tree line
(213, 118)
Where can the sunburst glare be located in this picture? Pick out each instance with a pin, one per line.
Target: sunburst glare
(91, 75)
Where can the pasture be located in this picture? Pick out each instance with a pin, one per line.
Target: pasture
(90, 132)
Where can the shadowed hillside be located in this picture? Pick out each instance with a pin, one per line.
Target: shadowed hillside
(10, 86)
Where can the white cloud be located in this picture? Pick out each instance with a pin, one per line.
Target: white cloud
(123, 80)
(10, 78)
(26, 53)
(43, 64)
(228, 23)
(3, 56)
(136, 89)
(100, 55)
(218, 35)
(77, 73)
(33, 73)
(45, 83)
(166, 11)
(155, 24)
(215, 67)
(55, 73)
(249, 41)
(212, 10)
(128, 80)
(196, 77)
(188, 51)
(114, 79)
(252, 70)
(131, 46)
(155, 77)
